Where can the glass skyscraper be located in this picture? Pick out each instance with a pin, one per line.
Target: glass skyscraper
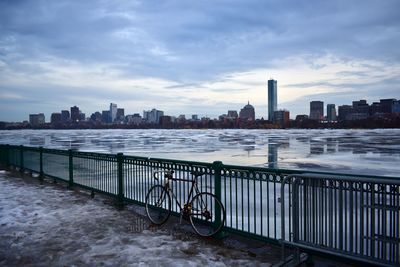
(272, 98)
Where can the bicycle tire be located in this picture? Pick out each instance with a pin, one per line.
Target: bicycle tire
(204, 207)
(158, 204)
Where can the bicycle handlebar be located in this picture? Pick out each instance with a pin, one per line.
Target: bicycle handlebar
(167, 174)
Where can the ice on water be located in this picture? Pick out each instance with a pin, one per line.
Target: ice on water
(350, 151)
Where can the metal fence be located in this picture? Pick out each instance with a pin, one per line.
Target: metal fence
(354, 217)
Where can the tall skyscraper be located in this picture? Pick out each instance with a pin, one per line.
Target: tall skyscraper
(316, 110)
(272, 98)
(113, 112)
(331, 112)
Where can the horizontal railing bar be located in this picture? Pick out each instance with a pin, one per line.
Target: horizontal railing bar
(382, 207)
(350, 178)
(383, 238)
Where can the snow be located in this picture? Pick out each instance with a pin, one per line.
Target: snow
(48, 225)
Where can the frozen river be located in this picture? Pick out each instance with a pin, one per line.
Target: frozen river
(349, 151)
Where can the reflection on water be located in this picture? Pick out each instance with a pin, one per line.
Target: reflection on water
(357, 151)
(272, 155)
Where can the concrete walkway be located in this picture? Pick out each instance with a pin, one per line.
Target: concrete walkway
(48, 225)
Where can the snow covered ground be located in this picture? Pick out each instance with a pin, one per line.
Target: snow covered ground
(48, 225)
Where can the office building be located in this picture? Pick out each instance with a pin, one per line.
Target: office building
(375, 108)
(82, 116)
(134, 119)
(75, 116)
(281, 118)
(247, 113)
(396, 107)
(65, 116)
(387, 105)
(272, 98)
(120, 114)
(113, 112)
(166, 121)
(361, 110)
(55, 118)
(331, 112)
(153, 116)
(232, 114)
(96, 117)
(317, 110)
(36, 119)
(105, 116)
(345, 112)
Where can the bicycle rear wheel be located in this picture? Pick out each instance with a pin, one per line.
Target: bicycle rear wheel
(158, 204)
(207, 214)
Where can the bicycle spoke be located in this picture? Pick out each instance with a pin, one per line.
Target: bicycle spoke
(158, 205)
(202, 216)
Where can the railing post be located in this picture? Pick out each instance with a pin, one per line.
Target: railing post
(120, 196)
(41, 173)
(217, 167)
(21, 158)
(71, 169)
(296, 217)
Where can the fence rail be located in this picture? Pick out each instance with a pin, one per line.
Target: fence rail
(357, 217)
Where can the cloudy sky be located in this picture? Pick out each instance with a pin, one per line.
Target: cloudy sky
(194, 57)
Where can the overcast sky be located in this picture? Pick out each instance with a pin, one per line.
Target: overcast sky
(194, 57)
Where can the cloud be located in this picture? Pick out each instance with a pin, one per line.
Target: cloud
(162, 54)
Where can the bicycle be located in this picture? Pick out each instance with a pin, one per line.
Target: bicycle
(204, 210)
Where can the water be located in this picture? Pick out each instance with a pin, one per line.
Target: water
(348, 151)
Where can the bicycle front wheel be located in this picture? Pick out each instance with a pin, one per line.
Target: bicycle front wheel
(207, 214)
(158, 204)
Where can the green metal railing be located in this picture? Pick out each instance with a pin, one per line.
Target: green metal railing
(275, 205)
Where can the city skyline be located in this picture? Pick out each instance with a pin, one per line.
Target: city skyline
(359, 110)
(187, 58)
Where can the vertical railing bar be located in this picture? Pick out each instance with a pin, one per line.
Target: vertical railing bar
(320, 229)
(372, 220)
(120, 160)
(236, 202)
(378, 223)
(268, 203)
(357, 214)
(70, 169)
(275, 208)
(346, 215)
(314, 211)
(41, 173)
(248, 201)
(305, 209)
(331, 192)
(217, 166)
(290, 191)
(255, 203)
(230, 196)
(261, 205)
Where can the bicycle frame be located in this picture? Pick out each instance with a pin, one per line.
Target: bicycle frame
(171, 192)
